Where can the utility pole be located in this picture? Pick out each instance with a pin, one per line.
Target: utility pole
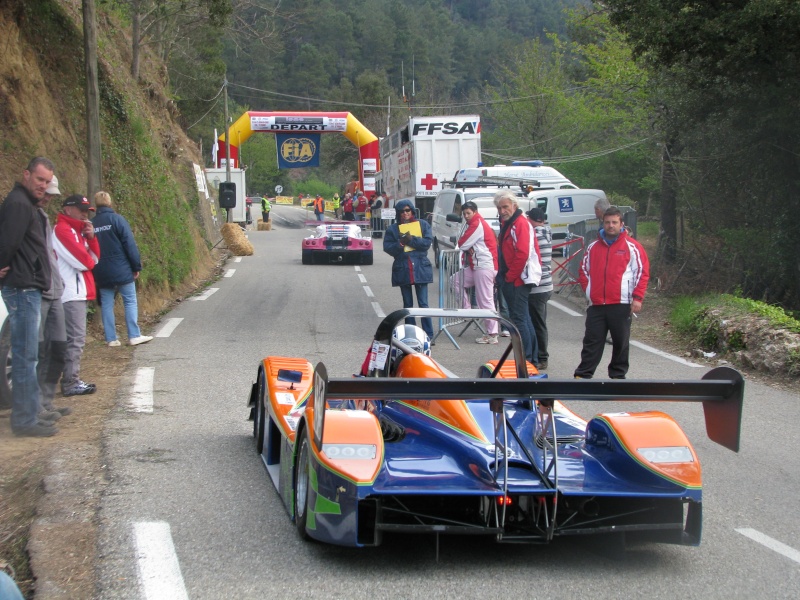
(94, 164)
(227, 143)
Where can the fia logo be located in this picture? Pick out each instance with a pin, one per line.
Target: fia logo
(298, 150)
(565, 204)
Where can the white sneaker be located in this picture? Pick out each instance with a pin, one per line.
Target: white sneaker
(505, 333)
(486, 339)
(142, 339)
(114, 343)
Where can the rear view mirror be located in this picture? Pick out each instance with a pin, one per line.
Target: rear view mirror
(453, 218)
(290, 376)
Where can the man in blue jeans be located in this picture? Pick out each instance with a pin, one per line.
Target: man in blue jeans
(25, 273)
(118, 269)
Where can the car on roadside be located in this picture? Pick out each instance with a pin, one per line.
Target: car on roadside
(337, 243)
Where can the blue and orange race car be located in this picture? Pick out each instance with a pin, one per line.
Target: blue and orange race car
(411, 448)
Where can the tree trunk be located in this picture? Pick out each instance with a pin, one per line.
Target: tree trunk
(94, 165)
(135, 37)
(669, 201)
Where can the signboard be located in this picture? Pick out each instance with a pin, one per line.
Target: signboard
(565, 204)
(370, 165)
(298, 124)
(284, 200)
(369, 184)
(295, 151)
(464, 127)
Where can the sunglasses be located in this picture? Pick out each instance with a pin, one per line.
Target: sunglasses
(407, 210)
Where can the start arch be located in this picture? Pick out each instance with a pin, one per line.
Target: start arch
(306, 122)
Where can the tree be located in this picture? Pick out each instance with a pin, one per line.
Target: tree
(94, 165)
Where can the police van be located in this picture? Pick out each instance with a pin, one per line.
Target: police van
(534, 170)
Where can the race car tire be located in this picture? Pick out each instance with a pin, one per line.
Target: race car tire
(366, 257)
(307, 257)
(5, 365)
(302, 484)
(260, 416)
(436, 253)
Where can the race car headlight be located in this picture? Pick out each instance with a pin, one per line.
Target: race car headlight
(667, 454)
(350, 451)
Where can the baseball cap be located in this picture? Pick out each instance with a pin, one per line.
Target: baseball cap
(52, 187)
(81, 202)
(536, 214)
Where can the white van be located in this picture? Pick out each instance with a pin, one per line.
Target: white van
(449, 202)
(564, 207)
(547, 177)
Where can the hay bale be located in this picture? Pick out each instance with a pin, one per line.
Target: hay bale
(236, 241)
(264, 226)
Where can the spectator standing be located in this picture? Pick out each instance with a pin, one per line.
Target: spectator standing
(319, 207)
(25, 272)
(117, 271)
(336, 202)
(53, 328)
(266, 207)
(519, 266)
(361, 206)
(77, 251)
(348, 208)
(613, 274)
(479, 245)
(600, 208)
(540, 293)
(408, 241)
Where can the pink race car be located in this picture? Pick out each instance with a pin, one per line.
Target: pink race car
(335, 243)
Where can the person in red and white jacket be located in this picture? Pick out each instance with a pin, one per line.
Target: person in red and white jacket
(613, 274)
(77, 251)
(519, 266)
(478, 243)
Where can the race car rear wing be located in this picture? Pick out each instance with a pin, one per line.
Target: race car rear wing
(721, 391)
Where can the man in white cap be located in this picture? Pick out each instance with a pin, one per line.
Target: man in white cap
(53, 329)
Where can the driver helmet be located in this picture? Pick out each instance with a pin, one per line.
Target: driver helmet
(413, 337)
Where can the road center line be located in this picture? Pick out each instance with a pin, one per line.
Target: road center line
(159, 571)
(205, 295)
(771, 543)
(142, 395)
(237, 259)
(361, 278)
(169, 327)
(368, 292)
(378, 310)
(229, 273)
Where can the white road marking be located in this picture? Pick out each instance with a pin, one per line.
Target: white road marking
(368, 292)
(770, 543)
(229, 273)
(142, 394)
(361, 278)
(358, 269)
(159, 571)
(205, 295)
(237, 259)
(561, 307)
(663, 354)
(169, 327)
(378, 310)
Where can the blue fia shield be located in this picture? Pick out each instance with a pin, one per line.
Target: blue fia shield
(296, 151)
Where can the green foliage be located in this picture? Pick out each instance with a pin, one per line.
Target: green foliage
(647, 229)
(313, 187)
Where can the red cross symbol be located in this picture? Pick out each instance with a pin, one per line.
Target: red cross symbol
(429, 181)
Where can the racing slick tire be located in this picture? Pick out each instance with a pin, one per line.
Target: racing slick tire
(302, 484)
(307, 257)
(5, 365)
(260, 414)
(366, 257)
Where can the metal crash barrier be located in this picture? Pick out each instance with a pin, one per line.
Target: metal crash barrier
(451, 284)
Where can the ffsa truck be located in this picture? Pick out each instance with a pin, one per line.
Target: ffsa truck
(425, 152)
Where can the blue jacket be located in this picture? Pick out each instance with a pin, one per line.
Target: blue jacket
(409, 267)
(119, 255)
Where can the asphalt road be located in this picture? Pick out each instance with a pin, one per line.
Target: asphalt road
(190, 512)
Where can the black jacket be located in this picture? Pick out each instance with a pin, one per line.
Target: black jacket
(23, 242)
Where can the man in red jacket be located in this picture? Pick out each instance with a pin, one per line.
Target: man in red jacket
(78, 251)
(614, 275)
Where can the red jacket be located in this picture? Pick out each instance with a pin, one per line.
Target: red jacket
(615, 273)
(479, 243)
(76, 256)
(515, 244)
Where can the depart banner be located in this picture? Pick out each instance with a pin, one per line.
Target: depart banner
(297, 151)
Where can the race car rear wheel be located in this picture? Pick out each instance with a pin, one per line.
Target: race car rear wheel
(302, 484)
(366, 257)
(260, 416)
(307, 257)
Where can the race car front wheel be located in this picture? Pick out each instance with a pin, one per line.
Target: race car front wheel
(260, 416)
(301, 486)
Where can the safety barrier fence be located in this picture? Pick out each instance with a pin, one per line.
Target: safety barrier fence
(451, 295)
